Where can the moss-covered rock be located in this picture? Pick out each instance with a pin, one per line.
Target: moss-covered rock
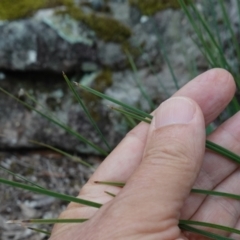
(101, 82)
(106, 28)
(149, 7)
(16, 9)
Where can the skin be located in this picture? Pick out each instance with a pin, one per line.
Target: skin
(160, 163)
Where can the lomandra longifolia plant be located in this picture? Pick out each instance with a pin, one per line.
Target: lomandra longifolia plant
(209, 42)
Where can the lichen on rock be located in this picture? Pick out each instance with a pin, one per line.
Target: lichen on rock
(16, 9)
(101, 82)
(149, 7)
(106, 28)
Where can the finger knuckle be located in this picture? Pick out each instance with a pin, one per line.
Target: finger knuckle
(172, 153)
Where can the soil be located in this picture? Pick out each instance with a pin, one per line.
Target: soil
(48, 169)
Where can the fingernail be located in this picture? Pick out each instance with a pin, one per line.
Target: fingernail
(176, 110)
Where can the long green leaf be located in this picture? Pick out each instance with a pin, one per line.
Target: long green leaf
(210, 225)
(40, 231)
(215, 24)
(155, 74)
(116, 184)
(200, 191)
(132, 115)
(48, 221)
(50, 193)
(210, 145)
(229, 27)
(75, 159)
(20, 177)
(165, 55)
(104, 96)
(207, 31)
(110, 194)
(208, 53)
(203, 233)
(137, 80)
(77, 220)
(215, 193)
(76, 94)
(211, 36)
(65, 127)
(222, 151)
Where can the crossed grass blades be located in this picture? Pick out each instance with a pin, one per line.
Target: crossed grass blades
(208, 39)
(137, 115)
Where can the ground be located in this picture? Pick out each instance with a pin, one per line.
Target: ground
(48, 169)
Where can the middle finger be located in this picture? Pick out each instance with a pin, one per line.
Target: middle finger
(215, 168)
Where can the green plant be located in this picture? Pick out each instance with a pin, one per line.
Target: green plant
(138, 115)
(211, 44)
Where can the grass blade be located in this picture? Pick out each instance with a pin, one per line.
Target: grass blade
(209, 145)
(47, 221)
(65, 127)
(233, 106)
(104, 96)
(20, 177)
(215, 24)
(75, 159)
(222, 151)
(215, 193)
(211, 225)
(76, 94)
(156, 75)
(229, 27)
(165, 55)
(111, 194)
(238, 6)
(76, 220)
(50, 193)
(40, 231)
(200, 191)
(223, 62)
(116, 184)
(203, 233)
(136, 113)
(130, 121)
(132, 115)
(211, 37)
(137, 80)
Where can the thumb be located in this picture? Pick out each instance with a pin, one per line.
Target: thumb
(171, 162)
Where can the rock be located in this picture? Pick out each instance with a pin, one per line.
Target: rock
(44, 45)
(111, 54)
(66, 42)
(18, 124)
(56, 50)
(48, 43)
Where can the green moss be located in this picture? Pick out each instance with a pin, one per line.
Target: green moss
(106, 28)
(101, 82)
(149, 7)
(16, 9)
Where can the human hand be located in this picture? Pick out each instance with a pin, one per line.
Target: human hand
(160, 163)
